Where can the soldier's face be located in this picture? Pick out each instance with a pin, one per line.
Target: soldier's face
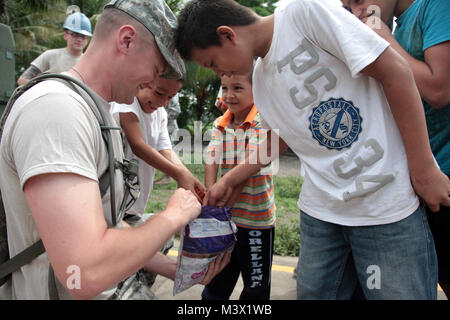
(140, 68)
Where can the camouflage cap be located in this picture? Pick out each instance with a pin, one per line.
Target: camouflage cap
(157, 17)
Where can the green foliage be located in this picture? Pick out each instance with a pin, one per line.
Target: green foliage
(175, 5)
(28, 5)
(261, 7)
(287, 239)
(198, 170)
(288, 187)
(287, 231)
(37, 25)
(159, 200)
(88, 7)
(198, 95)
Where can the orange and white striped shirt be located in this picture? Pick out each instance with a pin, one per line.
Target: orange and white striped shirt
(255, 207)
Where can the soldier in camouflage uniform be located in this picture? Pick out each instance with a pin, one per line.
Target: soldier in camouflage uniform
(51, 191)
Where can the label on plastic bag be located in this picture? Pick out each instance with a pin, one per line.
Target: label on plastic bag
(202, 228)
(212, 233)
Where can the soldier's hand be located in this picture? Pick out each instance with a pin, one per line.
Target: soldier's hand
(183, 206)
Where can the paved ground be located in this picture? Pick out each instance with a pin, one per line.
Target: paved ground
(288, 165)
(283, 282)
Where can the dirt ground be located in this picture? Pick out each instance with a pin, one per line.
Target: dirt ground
(289, 165)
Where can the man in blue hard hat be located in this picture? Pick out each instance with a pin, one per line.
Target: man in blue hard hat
(77, 31)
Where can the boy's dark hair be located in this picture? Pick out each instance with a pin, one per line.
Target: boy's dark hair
(199, 20)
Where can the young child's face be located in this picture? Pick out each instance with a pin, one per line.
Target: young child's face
(237, 93)
(365, 8)
(158, 95)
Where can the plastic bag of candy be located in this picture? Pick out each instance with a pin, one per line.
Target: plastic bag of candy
(210, 234)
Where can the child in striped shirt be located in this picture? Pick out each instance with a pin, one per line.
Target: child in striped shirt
(236, 132)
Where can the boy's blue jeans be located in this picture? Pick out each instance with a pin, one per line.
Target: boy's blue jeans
(391, 261)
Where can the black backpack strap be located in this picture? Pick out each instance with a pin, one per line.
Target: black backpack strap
(25, 257)
(105, 126)
(103, 183)
(21, 259)
(52, 289)
(36, 249)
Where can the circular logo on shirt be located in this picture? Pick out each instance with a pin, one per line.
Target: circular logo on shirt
(335, 123)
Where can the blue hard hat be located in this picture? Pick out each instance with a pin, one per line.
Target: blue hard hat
(79, 23)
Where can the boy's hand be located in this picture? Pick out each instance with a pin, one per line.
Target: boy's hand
(188, 181)
(218, 195)
(433, 186)
(216, 266)
(235, 194)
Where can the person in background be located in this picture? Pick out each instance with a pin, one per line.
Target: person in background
(77, 31)
(422, 37)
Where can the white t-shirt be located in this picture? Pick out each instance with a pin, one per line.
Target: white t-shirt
(50, 130)
(55, 60)
(155, 134)
(336, 120)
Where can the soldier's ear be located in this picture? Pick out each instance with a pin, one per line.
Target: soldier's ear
(126, 38)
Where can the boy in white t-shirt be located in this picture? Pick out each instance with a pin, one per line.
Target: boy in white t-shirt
(144, 123)
(347, 105)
